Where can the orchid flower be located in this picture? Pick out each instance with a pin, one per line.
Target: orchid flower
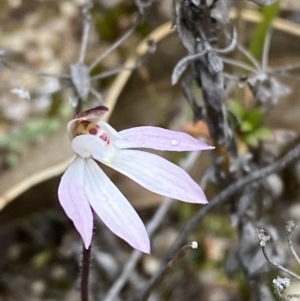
(84, 188)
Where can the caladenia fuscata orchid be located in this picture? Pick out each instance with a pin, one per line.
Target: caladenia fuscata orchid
(85, 188)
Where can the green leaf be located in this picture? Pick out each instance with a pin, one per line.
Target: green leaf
(251, 140)
(41, 259)
(258, 38)
(246, 126)
(237, 109)
(263, 134)
(254, 117)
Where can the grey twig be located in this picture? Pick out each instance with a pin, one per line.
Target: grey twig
(86, 29)
(168, 268)
(115, 45)
(237, 64)
(136, 255)
(33, 72)
(291, 246)
(278, 266)
(97, 94)
(231, 45)
(250, 57)
(290, 227)
(183, 64)
(151, 49)
(285, 68)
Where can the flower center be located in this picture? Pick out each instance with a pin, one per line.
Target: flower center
(90, 128)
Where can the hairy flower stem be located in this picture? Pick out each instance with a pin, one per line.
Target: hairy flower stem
(85, 272)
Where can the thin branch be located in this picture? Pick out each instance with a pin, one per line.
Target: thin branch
(33, 72)
(278, 266)
(266, 50)
(285, 68)
(168, 269)
(231, 45)
(233, 77)
(104, 74)
(115, 45)
(111, 72)
(136, 255)
(249, 56)
(237, 64)
(290, 228)
(230, 191)
(182, 65)
(78, 106)
(97, 94)
(123, 278)
(114, 71)
(283, 75)
(86, 29)
(291, 246)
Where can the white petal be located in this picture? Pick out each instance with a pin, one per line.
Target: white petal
(114, 209)
(72, 197)
(158, 175)
(87, 146)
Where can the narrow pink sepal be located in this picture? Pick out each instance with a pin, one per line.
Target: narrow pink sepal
(158, 175)
(72, 197)
(160, 139)
(114, 209)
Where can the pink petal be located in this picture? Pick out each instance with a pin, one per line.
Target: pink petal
(114, 209)
(158, 175)
(160, 139)
(72, 197)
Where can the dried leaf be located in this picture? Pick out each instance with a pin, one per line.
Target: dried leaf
(224, 11)
(81, 79)
(215, 62)
(268, 89)
(185, 35)
(198, 129)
